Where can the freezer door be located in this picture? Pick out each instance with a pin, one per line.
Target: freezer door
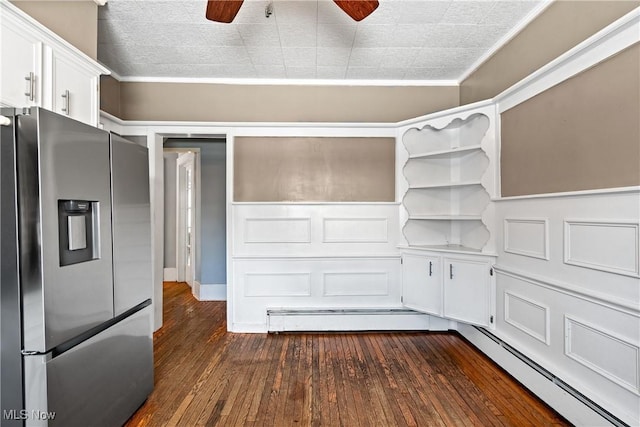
(63, 166)
(131, 224)
(99, 383)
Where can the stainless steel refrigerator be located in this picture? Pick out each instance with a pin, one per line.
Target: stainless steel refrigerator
(75, 313)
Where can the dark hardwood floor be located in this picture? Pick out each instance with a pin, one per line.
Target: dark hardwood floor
(206, 376)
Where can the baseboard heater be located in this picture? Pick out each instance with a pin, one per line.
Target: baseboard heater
(303, 312)
(346, 319)
(556, 380)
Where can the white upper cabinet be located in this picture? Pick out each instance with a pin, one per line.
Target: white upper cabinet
(74, 88)
(38, 68)
(20, 67)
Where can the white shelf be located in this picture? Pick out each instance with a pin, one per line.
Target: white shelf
(445, 185)
(449, 152)
(447, 217)
(448, 187)
(451, 169)
(458, 249)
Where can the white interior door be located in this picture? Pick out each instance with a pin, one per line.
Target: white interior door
(186, 236)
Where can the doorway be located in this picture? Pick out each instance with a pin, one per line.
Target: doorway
(195, 215)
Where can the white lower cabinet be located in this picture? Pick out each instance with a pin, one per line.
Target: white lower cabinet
(467, 290)
(456, 287)
(422, 283)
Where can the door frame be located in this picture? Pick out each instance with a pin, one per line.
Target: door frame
(186, 272)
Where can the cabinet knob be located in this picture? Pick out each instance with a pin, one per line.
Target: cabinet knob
(67, 101)
(450, 271)
(430, 268)
(30, 93)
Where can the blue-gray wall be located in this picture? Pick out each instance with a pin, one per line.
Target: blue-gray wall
(170, 209)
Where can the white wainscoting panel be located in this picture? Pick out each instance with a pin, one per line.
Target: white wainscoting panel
(277, 230)
(590, 236)
(355, 230)
(528, 237)
(604, 353)
(277, 284)
(530, 317)
(363, 283)
(603, 245)
(596, 355)
(315, 229)
(288, 283)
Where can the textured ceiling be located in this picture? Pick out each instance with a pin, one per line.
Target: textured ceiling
(304, 39)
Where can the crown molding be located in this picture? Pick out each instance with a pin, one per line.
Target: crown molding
(285, 82)
(530, 17)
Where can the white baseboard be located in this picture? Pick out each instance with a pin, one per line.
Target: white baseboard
(170, 275)
(248, 328)
(209, 292)
(567, 405)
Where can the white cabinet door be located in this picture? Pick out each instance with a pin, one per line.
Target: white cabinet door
(20, 67)
(422, 283)
(467, 291)
(74, 89)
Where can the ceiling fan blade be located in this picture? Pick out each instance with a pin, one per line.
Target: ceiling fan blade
(357, 9)
(223, 10)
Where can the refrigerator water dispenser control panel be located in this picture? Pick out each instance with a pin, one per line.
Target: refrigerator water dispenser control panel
(77, 222)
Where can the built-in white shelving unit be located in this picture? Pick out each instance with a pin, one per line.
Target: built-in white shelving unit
(450, 181)
(448, 226)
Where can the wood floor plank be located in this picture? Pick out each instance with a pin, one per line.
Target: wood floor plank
(205, 376)
(448, 382)
(370, 391)
(424, 385)
(315, 409)
(386, 375)
(262, 372)
(328, 388)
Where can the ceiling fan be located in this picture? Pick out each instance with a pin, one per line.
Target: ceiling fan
(226, 10)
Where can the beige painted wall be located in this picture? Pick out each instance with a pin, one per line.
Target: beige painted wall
(582, 134)
(314, 169)
(110, 95)
(74, 21)
(281, 103)
(559, 28)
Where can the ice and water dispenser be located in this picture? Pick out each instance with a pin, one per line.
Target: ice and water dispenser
(78, 231)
